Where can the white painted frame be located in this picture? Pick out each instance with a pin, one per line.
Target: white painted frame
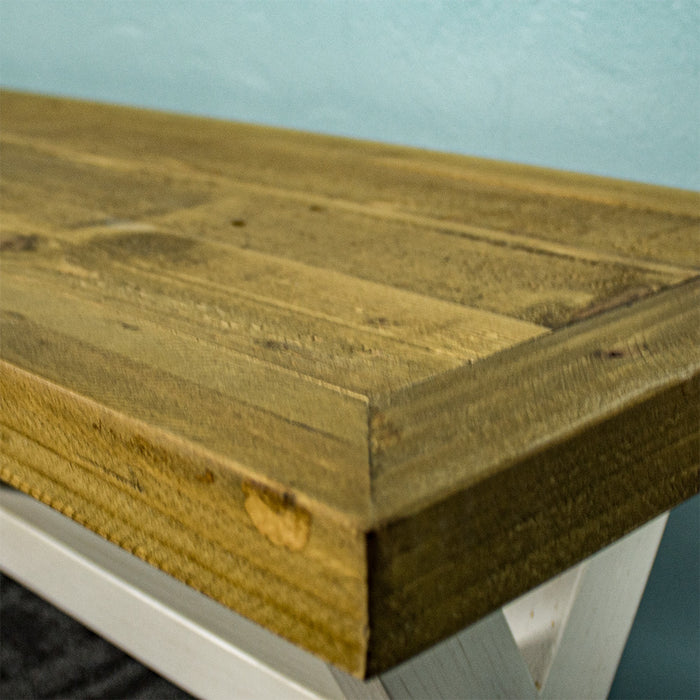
(564, 639)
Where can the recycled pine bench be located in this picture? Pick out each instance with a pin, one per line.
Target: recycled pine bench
(362, 395)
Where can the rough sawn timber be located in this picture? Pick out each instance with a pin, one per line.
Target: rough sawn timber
(361, 394)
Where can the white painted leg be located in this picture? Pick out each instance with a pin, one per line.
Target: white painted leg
(538, 619)
(608, 595)
(481, 661)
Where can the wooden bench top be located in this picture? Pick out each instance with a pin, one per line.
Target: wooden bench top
(359, 393)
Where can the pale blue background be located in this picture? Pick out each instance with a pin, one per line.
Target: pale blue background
(605, 86)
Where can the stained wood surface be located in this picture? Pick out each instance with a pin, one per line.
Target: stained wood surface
(361, 394)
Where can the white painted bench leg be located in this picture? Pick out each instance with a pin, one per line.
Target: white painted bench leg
(609, 591)
(481, 661)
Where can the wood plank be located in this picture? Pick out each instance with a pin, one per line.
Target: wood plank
(321, 466)
(212, 284)
(348, 389)
(198, 517)
(578, 451)
(550, 284)
(589, 212)
(269, 191)
(470, 422)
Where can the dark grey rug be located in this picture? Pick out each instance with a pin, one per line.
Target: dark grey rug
(46, 654)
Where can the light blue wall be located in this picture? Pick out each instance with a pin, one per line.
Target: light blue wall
(602, 86)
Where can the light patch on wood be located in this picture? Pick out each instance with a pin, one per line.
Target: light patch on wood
(277, 517)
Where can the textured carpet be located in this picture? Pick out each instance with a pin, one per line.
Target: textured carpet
(46, 654)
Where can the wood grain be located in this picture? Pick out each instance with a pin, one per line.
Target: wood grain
(521, 499)
(361, 394)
